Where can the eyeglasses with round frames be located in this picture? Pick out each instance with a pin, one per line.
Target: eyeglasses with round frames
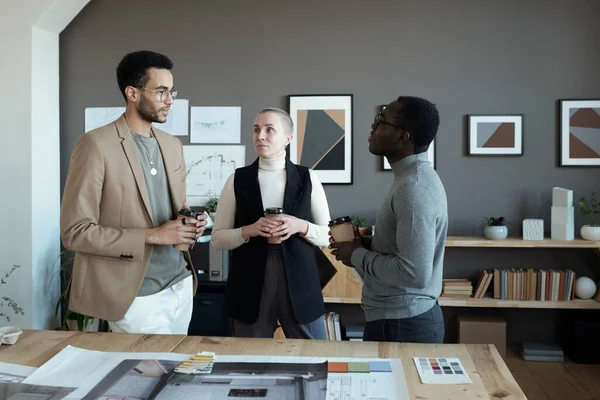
(163, 92)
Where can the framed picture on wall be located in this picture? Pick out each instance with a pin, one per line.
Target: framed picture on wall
(579, 133)
(495, 135)
(322, 140)
(385, 165)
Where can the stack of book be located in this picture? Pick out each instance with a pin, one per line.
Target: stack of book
(530, 284)
(484, 283)
(457, 288)
(355, 333)
(542, 352)
(333, 327)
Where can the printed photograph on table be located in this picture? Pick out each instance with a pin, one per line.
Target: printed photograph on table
(157, 379)
(322, 136)
(385, 165)
(579, 132)
(495, 135)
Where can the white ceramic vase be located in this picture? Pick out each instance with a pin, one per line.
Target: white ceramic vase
(495, 232)
(589, 232)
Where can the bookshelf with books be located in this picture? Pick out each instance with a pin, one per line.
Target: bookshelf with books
(344, 288)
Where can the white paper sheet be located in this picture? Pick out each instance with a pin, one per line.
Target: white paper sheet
(95, 117)
(14, 373)
(86, 368)
(177, 123)
(216, 125)
(208, 168)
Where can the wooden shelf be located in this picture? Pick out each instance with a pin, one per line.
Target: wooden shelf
(487, 302)
(492, 303)
(475, 241)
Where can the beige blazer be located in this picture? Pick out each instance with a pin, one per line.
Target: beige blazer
(105, 212)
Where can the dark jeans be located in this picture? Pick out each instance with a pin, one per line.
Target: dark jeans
(424, 328)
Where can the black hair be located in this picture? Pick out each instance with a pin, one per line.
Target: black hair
(420, 118)
(133, 68)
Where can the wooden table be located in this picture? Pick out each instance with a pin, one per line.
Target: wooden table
(490, 375)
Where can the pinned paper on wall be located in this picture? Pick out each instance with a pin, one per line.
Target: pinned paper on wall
(216, 125)
(178, 120)
(95, 117)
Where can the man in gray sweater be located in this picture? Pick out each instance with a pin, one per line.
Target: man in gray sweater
(402, 267)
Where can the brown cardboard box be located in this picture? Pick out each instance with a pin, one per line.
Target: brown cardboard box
(483, 330)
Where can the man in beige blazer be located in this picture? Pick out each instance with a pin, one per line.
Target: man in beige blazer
(119, 214)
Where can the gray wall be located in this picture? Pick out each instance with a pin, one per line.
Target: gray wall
(467, 56)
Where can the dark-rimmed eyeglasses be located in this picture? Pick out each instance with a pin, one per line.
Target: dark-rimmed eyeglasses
(379, 120)
(163, 93)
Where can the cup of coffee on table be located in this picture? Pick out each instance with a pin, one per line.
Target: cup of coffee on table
(342, 229)
(272, 212)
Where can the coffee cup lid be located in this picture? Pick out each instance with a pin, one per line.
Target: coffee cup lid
(274, 210)
(186, 212)
(340, 220)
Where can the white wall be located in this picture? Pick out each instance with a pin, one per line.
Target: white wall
(45, 161)
(29, 155)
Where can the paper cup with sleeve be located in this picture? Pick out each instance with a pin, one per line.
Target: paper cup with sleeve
(342, 229)
(272, 212)
(190, 214)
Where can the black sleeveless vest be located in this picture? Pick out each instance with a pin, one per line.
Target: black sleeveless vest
(247, 263)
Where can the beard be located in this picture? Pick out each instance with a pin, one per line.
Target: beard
(148, 113)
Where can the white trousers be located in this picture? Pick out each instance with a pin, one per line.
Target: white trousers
(165, 312)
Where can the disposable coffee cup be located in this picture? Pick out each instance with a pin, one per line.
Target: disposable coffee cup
(191, 214)
(271, 213)
(342, 229)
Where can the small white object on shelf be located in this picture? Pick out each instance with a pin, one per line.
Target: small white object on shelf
(562, 215)
(585, 288)
(533, 229)
(562, 231)
(562, 197)
(589, 232)
(10, 334)
(497, 232)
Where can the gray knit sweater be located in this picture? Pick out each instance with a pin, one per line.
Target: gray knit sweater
(402, 272)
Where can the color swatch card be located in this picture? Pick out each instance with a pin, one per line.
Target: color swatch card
(441, 371)
(201, 363)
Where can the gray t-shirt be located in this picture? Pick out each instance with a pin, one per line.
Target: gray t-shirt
(167, 265)
(403, 271)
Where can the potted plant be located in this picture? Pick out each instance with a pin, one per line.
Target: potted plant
(68, 319)
(7, 305)
(211, 207)
(361, 223)
(590, 209)
(495, 228)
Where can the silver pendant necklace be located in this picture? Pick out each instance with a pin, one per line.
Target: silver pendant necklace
(153, 170)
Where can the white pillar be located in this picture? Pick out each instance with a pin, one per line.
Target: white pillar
(29, 157)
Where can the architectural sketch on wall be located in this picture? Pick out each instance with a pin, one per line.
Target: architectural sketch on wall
(95, 117)
(208, 168)
(178, 121)
(216, 125)
(322, 136)
(579, 132)
(499, 135)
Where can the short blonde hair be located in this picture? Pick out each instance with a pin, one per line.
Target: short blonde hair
(285, 117)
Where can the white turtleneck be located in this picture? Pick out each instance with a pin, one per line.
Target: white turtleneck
(272, 180)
